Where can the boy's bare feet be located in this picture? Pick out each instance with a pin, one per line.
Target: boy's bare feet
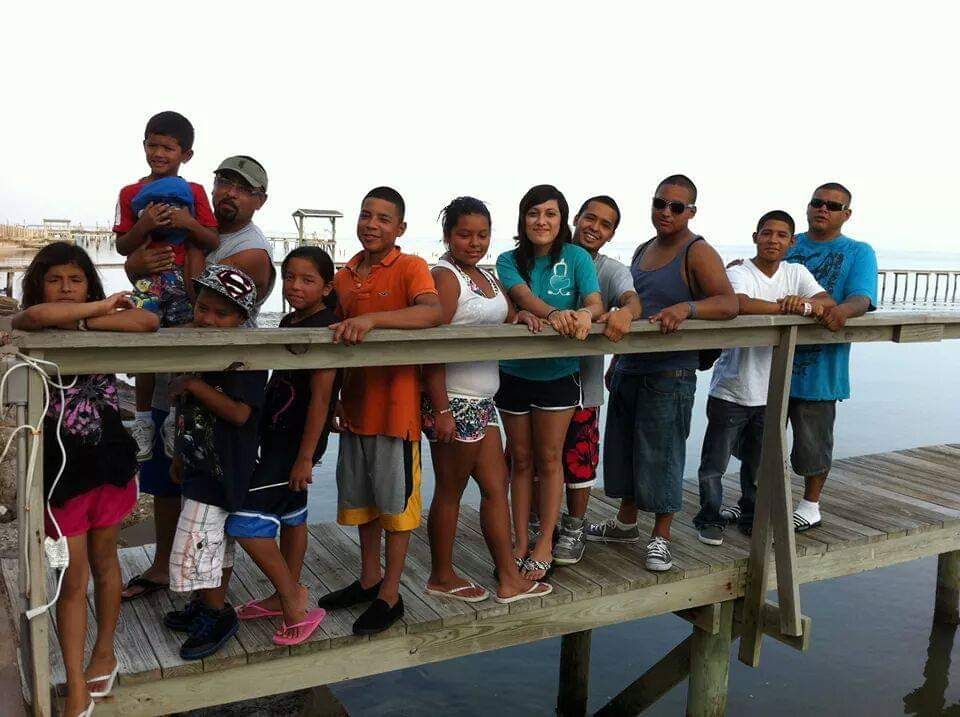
(295, 608)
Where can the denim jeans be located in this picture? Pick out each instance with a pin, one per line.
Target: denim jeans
(732, 429)
(648, 421)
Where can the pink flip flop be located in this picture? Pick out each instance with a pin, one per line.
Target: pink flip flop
(301, 632)
(253, 610)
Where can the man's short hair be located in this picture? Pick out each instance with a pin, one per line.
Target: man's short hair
(836, 187)
(681, 180)
(388, 194)
(171, 124)
(603, 199)
(777, 215)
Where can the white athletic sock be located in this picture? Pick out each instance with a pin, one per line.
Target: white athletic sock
(144, 416)
(808, 510)
(625, 526)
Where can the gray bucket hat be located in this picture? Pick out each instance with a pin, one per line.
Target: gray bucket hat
(231, 283)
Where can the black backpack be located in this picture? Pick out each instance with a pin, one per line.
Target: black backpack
(706, 357)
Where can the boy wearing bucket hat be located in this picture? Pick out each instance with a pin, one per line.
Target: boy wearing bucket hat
(216, 450)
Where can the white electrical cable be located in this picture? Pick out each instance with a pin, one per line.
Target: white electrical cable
(56, 549)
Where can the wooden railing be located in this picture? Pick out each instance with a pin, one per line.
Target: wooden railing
(913, 286)
(212, 349)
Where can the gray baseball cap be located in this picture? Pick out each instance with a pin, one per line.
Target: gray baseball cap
(248, 168)
(231, 283)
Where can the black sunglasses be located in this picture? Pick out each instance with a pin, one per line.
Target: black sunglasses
(675, 207)
(831, 206)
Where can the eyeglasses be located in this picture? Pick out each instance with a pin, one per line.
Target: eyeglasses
(239, 187)
(831, 206)
(675, 207)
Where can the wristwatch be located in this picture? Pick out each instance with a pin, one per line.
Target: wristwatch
(81, 325)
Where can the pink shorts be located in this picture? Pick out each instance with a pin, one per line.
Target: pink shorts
(97, 508)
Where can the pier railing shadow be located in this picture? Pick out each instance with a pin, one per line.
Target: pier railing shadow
(174, 350)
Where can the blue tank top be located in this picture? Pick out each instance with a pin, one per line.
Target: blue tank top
(658, 289)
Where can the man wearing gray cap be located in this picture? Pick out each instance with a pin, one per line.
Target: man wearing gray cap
(239, 190)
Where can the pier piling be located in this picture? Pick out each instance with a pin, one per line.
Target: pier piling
(946, 609)
(710, 667)
(574, 674)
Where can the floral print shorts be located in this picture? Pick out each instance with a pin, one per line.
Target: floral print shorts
(581, 449)
(471, 416)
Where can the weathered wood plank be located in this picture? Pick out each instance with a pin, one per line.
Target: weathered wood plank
(150, 610)
(411, 649)
(710, 668)
(574, 674)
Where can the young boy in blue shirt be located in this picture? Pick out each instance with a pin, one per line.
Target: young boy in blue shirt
(847, 269)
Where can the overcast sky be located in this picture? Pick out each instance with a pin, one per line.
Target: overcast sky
(757, 103)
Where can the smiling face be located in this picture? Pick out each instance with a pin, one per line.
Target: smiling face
(65, 283)
(542, 225)
(164, 155)
(664, 220)
(594, 226)
(379, 225)
(824, 221)
(773, 240)
(469, 240)
(213, 311)
(303, 286)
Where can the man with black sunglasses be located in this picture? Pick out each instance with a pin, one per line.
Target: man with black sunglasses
(847, 269)
(677, 276)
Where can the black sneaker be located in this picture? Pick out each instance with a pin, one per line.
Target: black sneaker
(378, 617)
(210, 631)
(181, 620)
(349, 596)
(711, 535)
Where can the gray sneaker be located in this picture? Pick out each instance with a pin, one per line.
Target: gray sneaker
(658, 555)
(608, 532)
(711, 535)
(533, 529)
(570, 545)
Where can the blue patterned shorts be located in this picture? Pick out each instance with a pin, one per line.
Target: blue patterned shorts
(165, 295)
(471, 416)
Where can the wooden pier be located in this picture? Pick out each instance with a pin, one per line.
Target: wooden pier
(878, 510)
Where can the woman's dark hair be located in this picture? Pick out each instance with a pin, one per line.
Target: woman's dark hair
(461, 207)
(323, 263)
(57, 254)
(524, 256)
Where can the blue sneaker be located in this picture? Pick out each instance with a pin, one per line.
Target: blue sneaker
(182, 620)
(209, 632)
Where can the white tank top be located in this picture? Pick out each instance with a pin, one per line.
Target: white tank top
(475, 379)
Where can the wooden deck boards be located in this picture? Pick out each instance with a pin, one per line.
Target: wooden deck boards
(878, 510)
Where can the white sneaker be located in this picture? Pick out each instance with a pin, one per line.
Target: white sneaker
(143, 432)
(168, 434)
(658, 555)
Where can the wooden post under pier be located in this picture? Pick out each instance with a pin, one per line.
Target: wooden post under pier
(574, 674)
(710, 667)
(946, 610)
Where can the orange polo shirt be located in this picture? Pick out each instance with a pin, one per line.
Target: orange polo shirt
(382, 400)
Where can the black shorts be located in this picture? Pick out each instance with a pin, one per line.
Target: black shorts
(518, 396)
(812, 423)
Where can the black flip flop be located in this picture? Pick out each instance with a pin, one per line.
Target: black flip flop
(148, 586)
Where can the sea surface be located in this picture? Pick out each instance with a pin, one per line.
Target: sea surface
(874, 650)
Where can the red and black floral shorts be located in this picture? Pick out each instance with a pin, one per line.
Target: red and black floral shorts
(581, 449)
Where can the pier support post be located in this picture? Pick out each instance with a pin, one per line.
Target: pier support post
(574, 674)
(946, 609)
(710, 667)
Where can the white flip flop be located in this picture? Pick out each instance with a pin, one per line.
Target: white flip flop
(109, 679)
(455, 593)
(534, 591)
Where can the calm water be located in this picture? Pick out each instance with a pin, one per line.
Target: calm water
(873, 650)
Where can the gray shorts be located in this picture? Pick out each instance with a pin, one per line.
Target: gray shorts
(378, 477)
(812, 423)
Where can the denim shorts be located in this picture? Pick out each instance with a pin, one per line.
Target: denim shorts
(648, 421)
(812, 423)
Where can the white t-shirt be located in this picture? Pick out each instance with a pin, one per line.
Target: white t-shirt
(741, 375)
(475, 379)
